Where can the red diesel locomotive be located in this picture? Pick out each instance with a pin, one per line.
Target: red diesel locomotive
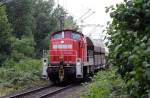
(73, 56)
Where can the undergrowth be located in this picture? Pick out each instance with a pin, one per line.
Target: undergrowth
(106, 84)
(23, 74)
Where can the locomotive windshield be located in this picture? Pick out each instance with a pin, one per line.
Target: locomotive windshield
(58, 35)
(72, 35)
(75, 36)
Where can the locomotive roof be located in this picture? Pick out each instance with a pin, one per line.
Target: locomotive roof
(67, 30)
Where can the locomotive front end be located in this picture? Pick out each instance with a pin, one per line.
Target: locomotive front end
(64, 55)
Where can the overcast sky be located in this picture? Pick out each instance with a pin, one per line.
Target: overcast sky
(77, 8)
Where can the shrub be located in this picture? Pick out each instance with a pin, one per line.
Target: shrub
(20, 74)
(106, 84)
(129, 45)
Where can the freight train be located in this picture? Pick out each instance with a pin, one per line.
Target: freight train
(73, 56)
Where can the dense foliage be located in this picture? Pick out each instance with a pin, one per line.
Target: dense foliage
(106, 84)
(31, 23)
(21, 75)
(129, 45)
(5, 35)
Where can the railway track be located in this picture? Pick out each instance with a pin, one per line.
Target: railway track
(42, 92)
(56, 91)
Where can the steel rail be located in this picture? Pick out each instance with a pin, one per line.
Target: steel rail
(28, 92)
(57, 91)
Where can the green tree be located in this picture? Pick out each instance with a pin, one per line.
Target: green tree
(129, 45)
(5, 35)
(20, 15)
(43, 24)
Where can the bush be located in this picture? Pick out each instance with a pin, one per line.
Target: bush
(22, 47)
(20, 74)
(129, 45)
(106, 84)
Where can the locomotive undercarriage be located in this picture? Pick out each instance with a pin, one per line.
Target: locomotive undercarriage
(54, 73)
(69, 73)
